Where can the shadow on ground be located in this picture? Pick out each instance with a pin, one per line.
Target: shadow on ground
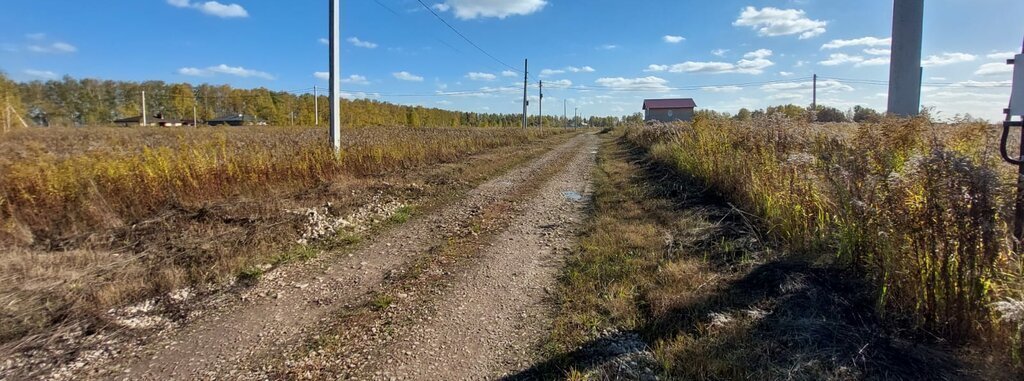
(775, 318)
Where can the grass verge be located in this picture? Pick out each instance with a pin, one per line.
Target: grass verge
(710, 297)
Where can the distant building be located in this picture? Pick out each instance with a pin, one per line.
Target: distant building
(235, 120)
(155, 120)
(669, 110)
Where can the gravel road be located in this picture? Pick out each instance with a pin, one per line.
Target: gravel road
(487, 322)
(494, 310)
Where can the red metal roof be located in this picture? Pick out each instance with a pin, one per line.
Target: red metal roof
(657, 104)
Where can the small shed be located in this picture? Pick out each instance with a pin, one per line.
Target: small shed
(669, 110)
(234, 120)
(155, 120)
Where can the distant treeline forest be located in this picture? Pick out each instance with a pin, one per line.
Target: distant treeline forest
(85, 102)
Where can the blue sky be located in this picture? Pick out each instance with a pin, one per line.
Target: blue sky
(602, 56)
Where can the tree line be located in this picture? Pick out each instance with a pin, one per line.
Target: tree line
(82, 102)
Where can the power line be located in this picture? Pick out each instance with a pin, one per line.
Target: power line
(431, 10)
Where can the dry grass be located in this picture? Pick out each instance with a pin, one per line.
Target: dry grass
(95, 218)
(711, 295)
(920, 209)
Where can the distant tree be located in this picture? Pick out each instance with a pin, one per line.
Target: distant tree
(865, 115)
(831, 115)
(743, 114)
(791, 111)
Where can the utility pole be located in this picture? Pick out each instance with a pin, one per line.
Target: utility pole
(316, 107)
(195, 117)
(526, 77)
(144, 121)
(335, 45)
(565, 114)
(576, 117)
(541, 104)
(905, 70)
(7, 114)
(814, 100)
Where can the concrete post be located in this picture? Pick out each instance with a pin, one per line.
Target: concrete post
(905, 69)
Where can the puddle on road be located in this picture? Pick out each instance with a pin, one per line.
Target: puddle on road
(573, 196)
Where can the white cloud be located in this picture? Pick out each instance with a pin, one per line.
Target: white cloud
(353, 79)
(324, 41)
(481, 76)
(877, 61)
(651, 83)
(237, 71)
(841, 58)
(360, 43)
(212, 8)
(947, 59)
(56, 47)
(1002, 55)
(878, 52)
(863, 41)
(983, 84)
(753, 63)
(509, 73)
(772, 22)
(995, 68)
(444, 102)
(559, 84)
(786, 96)
(471, 9)
(550, 72)
(585, 69)
(406, 76)
(36, 36)
(358, 95)
(786, 73)
(760, 53)
(673, 39)
(826, 86)
(45, 74)
(719, 52)
(608, 47)
(722, 89)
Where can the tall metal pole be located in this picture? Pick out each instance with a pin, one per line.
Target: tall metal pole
(905, 70)
(576, 117)
(814, 99)
(335, 46)
(541, 105)
(144, 121)
(316, 107)
(526, 77)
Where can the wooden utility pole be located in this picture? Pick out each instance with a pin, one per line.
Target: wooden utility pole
(526, 77)
(335, 45)
(195, 116)
(316, 107)
(541, 105)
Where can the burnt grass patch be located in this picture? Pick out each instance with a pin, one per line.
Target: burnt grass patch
(712, 296)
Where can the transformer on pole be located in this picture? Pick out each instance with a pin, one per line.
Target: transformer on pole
(335, 46)
(905, 67)
(1016, 109)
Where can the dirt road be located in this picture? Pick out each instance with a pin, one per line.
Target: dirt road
(485, 322)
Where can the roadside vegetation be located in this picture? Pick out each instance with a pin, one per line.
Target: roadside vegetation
(775, 248)
(94, 218)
